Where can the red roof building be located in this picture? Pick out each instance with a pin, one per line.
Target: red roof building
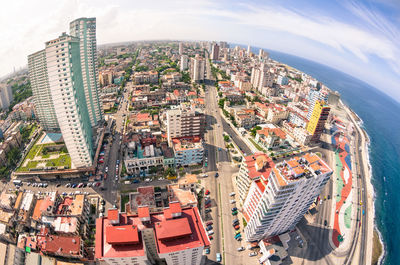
(176, 234)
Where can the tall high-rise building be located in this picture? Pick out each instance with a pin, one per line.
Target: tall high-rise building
(6, 96)
(197, 68)
(313, 96)
(223, 44)
(248, 50)
(184, 62)
(85, 30)
(261, 77)
(317, 121)
(44, 105)
(63, 59)
(277, 201)
(214, 52)
(180, 48)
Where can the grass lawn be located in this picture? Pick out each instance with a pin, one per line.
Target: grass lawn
(124, 200)
(62, 161)
(259, 148)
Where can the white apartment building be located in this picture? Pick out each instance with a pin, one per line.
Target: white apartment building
(185, 121)
(276, 204)
(184, 62)
(253, 167)
(197, 68)
(276, 113)
(261, 77)
(66, 87)
(5, 96)
(41, 91)
(180, 48)
(138, 159)
(302, 136)
(85, 30)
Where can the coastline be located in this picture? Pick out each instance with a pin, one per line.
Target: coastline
(365, 155)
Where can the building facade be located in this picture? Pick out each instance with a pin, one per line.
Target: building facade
(68, 95)
(85, 30)
(317, 121)
(276, 204)
(6, 96)
(44, 105)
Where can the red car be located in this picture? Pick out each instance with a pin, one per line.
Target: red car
(209, 223)
(237, 227)
(210, 237)
(207, 206)
(207, 192)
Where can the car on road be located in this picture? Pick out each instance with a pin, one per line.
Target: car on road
(207, 192)
(329, 197)
(74, 186)
(218, 257)
(80, 185)
(106, 170)
(252, 254)
(234, 209)
(66, 185)
(217, 175)
(232, 194)
(219, 149)
(325, 223)
(240, 249)
(232, 201)
(58, 185)
(135, 181)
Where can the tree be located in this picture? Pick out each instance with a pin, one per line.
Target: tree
(226, 138)
(221, 103)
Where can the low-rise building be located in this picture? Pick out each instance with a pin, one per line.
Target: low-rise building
(188, 151)
(175, 236)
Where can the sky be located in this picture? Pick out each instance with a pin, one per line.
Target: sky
(361, 38)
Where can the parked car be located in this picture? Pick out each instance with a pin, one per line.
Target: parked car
(207, 251)
(207, 201)
(208, 228)
(237, 235)
(240, 249)
(207, 210)
(207, 192)
(58, 185)
(237, 227)
(252, 254)
(234, 209)
(207, 206)
(217, 175)
(232, 194)
(235, 222)
(210, 237)
(232, 201)
(210, 233)
(234, 212)
(218, 256)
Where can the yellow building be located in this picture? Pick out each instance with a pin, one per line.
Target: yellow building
(317, 121)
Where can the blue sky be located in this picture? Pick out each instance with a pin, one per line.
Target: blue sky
(361, 38)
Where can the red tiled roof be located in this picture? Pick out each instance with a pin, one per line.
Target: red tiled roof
(122, 234)
(143, 212)
(173, 228)
(175, 207)
(113, 214)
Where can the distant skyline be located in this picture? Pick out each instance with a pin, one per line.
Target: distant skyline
(361, 38)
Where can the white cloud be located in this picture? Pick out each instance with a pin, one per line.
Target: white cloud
(29, 24)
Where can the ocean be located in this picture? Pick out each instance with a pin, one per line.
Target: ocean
(381, 120)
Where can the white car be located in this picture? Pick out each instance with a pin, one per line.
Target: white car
(232, 194)
(211, 232)
(252, 254)
(240, 249)
(232, 201)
